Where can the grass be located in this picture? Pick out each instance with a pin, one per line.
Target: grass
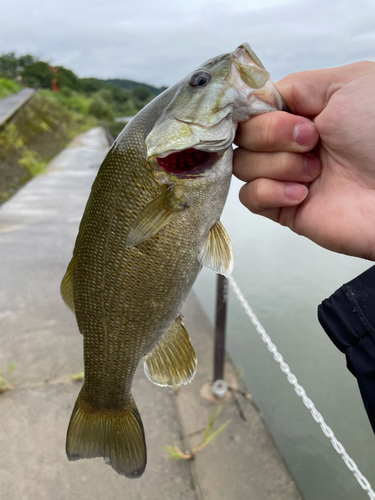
(4, 384)
(46, 124)
(73, 101)
(8, 87)
(77, 377)
(40, 131)
(177, 454)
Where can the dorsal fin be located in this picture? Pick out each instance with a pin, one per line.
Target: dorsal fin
(66, 288)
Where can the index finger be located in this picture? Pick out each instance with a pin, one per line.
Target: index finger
(277, 131)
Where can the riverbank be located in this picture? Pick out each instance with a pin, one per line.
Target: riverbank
(38, 131)
(39, 337)
(11, 104)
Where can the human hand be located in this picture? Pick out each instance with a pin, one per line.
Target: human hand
(322, 189)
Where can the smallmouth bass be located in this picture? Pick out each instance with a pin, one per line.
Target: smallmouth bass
(151, 222)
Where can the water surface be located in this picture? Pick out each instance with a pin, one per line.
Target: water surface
(284, 277)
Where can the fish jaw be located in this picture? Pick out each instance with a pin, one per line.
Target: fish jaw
(175, 135)
(205, 118)
(249, 77)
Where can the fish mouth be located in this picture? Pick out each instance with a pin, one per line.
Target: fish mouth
(189, 162)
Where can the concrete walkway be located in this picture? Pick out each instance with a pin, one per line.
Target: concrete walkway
(38, 333)
(11, 104)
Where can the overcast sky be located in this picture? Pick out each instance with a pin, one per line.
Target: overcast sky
(160, 41)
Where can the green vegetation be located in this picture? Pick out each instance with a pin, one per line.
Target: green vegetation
(42, 129)
(64, 106)
(104, 99)
(177, 454)
(8, 87)
(77, 377)
(130, 85)
(4, 384)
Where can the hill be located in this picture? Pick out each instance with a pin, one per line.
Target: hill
(104, 99)
(65, 106)
(122, 83)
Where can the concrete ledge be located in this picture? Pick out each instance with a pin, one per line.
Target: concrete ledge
(11, 104)
(243, 461)
(38, 333)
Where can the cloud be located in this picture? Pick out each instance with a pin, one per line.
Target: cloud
(160, 42)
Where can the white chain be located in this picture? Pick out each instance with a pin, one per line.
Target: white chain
(301, 391)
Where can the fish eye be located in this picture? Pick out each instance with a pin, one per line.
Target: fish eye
(200, 79)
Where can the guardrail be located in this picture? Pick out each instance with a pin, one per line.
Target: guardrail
(108, 134)
(219, 386)
(300, 391)
(9, 106)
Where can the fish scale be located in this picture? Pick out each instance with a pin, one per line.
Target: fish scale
(146, 232)
(131, 268)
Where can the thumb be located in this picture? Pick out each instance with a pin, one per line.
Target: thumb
(307, 93)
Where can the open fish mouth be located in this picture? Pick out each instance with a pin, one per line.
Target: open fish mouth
(189, 161)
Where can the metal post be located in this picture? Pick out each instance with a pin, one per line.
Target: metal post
(219, 386)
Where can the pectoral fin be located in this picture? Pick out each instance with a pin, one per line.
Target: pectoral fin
(153, 217)
(172, 361)
(217, 251)
(66, 288)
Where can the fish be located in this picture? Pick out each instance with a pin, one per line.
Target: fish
(151, 222)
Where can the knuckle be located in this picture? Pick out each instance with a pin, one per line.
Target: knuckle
(257, 196)
(248, 197)
(291, 165)
(240, 159)
(269, 130)
(366, 66)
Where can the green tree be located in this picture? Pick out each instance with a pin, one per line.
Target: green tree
(120, 95)
(107, 95)
(41, 73)
(8, 65)
(141, 94)
(101, 108)
(11, 66)
(90, 85)
(26, 60)
(38, 73)
(66, 78)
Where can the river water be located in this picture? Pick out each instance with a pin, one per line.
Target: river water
(284, 277)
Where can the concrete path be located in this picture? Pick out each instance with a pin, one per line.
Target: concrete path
(11, 104)
(38, 333)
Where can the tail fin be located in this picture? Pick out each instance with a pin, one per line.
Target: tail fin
(115, 435)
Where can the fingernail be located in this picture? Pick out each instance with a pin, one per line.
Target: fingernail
(305, 134)
(295, 192)
(312, 166)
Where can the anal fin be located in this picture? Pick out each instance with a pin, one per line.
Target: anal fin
(172, 361)
(217, 251)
